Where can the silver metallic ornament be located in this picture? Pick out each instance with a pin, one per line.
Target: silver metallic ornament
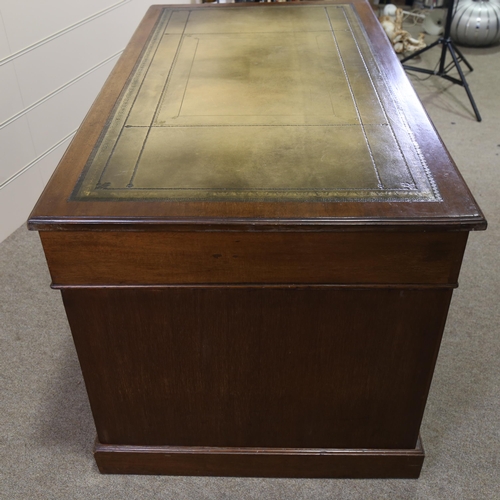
(476, 22)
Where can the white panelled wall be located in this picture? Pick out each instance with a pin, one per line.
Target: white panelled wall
(54, 58)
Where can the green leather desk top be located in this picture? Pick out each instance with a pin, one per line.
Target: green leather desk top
(265, 104)
(271, 116)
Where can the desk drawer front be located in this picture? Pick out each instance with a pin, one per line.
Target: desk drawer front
(162, 258)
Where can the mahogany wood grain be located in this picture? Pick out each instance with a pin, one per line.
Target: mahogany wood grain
(259, 462)
(106, 258)
(257, 367)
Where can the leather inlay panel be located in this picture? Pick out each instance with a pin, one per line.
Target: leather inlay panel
(277, 104)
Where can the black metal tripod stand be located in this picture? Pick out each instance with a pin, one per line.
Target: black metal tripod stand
(444, 69)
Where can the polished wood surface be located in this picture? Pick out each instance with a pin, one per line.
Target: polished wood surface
(278, 321)
(260, 462)
(284, 367)
(136, 258)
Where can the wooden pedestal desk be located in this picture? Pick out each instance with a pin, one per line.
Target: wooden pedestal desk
(256, 232)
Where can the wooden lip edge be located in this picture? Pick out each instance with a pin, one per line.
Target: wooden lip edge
(477, 223)
(244, 286)
(208, 450)
(260, 462)
(212, 5)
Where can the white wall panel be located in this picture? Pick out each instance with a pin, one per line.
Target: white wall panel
(49, 162)
(17, 200)
(28, 21)
(64, 112)
(53, 62)
(4, 43)
(16, 148)
(10, 95)
(61, 60)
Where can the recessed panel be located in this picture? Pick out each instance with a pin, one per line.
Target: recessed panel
(276, 104)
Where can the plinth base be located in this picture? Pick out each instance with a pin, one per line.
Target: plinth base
(259, 462)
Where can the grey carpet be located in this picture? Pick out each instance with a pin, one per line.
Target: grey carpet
(46, 426)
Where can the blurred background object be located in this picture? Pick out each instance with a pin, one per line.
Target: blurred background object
(476, 23)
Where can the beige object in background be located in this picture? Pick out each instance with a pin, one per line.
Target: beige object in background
(433, 22)
(401, 39)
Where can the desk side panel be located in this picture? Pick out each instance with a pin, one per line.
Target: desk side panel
(164, 258)
(276, 367)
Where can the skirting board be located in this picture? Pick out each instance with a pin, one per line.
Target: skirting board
(259, 462)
